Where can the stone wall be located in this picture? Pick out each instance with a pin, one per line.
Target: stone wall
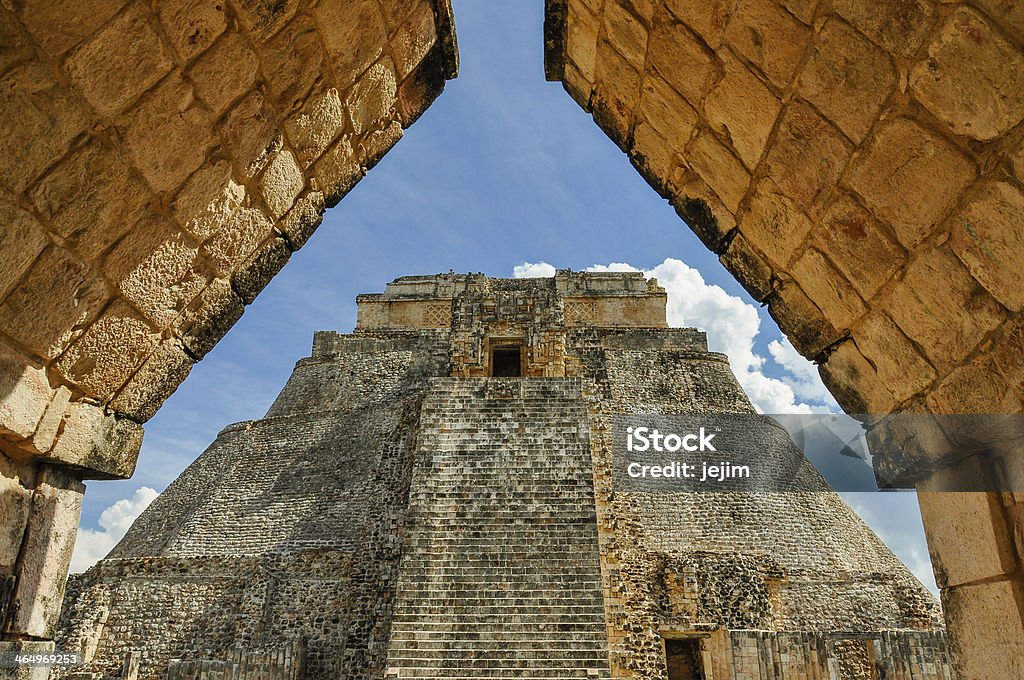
(859, 167)
(159, 163)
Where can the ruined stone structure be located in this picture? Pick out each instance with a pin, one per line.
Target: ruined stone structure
(401, 512)
(856, 164)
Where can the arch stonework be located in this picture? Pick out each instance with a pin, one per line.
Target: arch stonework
(159, 163)
(859, 167)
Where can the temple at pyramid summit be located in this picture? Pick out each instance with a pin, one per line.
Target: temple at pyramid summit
(436, 495)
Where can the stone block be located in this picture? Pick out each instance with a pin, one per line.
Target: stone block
(1007, 14)
(774, 224)
(46, 554)
(769, 37)
(976, 387)
(120, 62)
(264, 18)
(292, 61)
(807, 156)
(233, 244)
(847, 78)
(46, 431)
(25, 393)
(281, 182)
(858, 246)
(16, 481)
(156, 268)
(52, 303)
(988, 237)
(48, 120)
(717, 166)
(1008, 354)
(108, 352)
(740, 108)
(337, 171)
(375, 144)
(895, 358)
(581, 41)
(801, 9)
(372, 101)
(971, 79)
(419, 90)
(25, 672)
(21, 240)
(156, 380)
(626, 33)
(254, 275)
(316, 126)
(828, 289)
(208, 200)
(208, 318)
(415, 37)
(699, 206)
(682, 60)
(14, 46)
(251, 133)
(652, 156)
(59, 27)
(354, 35)
(303, 219)
(910, 178)
(749, 267)
(616, 95)
(97, 445)
(91, 215)
(942, 308)
(192, 25)
(981, 650)
(667, 112)
(706, 19)
(801, 321)
(225, 72)
(167, 135)
(898, 26)
(853, 381)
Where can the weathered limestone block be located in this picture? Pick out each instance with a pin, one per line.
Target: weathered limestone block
(847, 78)
(21, 240)
(943, 309)
(192, 25)
(988, 237)
(337, 171)
(680, 59)
(207, 202)
(281, 182)
(773, 223)
(96, 444)
(246, 229)
(626, 33)
(17, 479)
(251, 133)
(313, 129)
(971, 79)
(304, 217)
(292, 61)
(48, 120)
(706, 19)
(26, 672)
(263, 18)
(353, 33)
(717, 165)
(45, 556)
(253, 276)
(25, 393)
(89, 362)
(120, 62)
(616, 94)
(667, 112)
(225, 72)
(910, 178)
(854, 382)
(415, 37)
(54, 300)
(209, 317)
(983, 651)
(740, 108)
(155, 380)
(801, 321)
(829, 289)
(897, 360)
(858, 245)
(769, 37)
(898, 26)
(581, 40)
(91, 215)
(167, 134)
(749, 268)
(59, 27)
(156, 268)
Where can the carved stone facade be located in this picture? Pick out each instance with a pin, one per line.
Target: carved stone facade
(401, 513)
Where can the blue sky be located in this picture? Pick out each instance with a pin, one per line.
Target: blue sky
(504, 169)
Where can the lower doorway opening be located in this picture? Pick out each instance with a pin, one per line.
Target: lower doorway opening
(506, 362)
(682, 656)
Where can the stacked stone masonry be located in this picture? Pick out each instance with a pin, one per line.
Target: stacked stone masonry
(159, 163)
(399, 518)
(859, 167)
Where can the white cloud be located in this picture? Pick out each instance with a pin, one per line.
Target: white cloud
(533, 270)
(92, 546)
(732, 326)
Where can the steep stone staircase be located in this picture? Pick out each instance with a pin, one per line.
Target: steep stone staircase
(500, 577)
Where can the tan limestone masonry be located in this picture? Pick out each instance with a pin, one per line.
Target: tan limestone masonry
(859, 167)
(159, 163)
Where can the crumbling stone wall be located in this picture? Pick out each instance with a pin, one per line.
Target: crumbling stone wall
(159, 163)
(859, 167)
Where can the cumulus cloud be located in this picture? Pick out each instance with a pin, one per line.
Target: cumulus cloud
(732, 326)
(92, 545)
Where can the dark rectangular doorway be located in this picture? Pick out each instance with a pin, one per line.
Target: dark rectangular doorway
(506, 362)
(683, 659)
